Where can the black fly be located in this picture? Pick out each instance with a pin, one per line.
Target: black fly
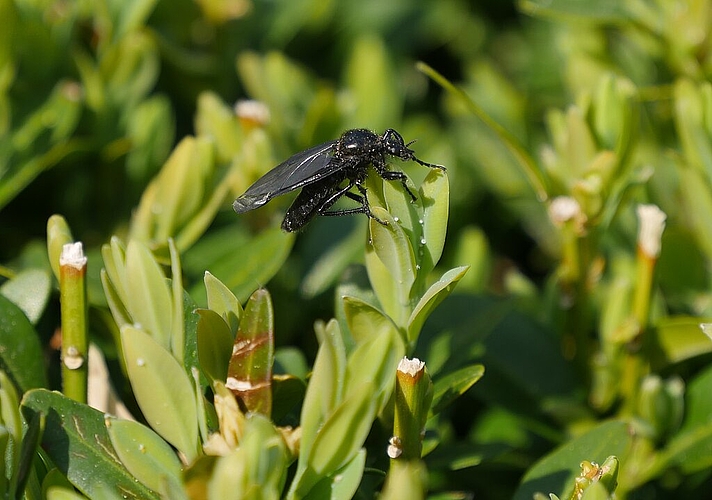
(329, 171)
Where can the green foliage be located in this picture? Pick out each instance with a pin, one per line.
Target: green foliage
(555, 279)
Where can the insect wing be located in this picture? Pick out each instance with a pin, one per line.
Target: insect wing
(299, 170)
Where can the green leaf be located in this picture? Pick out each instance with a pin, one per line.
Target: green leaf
(382, 283)
(131, 16)
(28, 451)
(264, 446)
(697, 203)
(375, 361)
(29, 290)
(338, 440)
(330, 266)
(344, 432)
(178, 334)
(341, 485)
(369, 77)
(602, 11)
(149, 299)
(250, 368)
(144, 453)
(190, 326)
(8, 451)
(260, 258)
(58, 235)
(533, 172)
(698, 408)
(214, 344)
(281, 84)
(215, 119)
(9, 407)
(76, 440)
(162, 389)
(448, 388)
(679, 338)
(405, 211)
(556, 471)
(435, 197)
(113, 299)
(55, 485)
(60, 493)
(686, 450)
(21, 355)
(364, 320)
(223, 301)
(325, 385)
(287, 394)
(114, 256)
(430, 300)
(180, 189)
(151, 130)
(254, 470)
(690, 107)
(393, 248)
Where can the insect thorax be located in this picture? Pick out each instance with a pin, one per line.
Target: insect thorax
(357, 142)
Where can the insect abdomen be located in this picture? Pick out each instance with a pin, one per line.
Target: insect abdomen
(307, 204)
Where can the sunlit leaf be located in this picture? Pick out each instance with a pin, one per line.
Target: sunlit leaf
(76, 440)
(250, 367)
(162, 390)
(149, 299)
(144, 453)
(223, 301)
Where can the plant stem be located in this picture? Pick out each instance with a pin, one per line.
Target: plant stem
(413, 395)
(73, 299)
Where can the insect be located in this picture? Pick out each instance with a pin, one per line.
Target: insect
(327, 172)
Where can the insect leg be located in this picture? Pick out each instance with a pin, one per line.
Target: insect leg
(363, 209)
(392, 175)
(431, 165)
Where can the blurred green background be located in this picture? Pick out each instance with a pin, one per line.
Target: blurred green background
(605, 102)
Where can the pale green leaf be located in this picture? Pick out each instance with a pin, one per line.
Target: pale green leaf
(435, 197)
(149, 299)
(58, 235)
(342, 484)
(364, 320)
(144, 453)
(375, 361)
(223, 301)
(325, 385)
(344, 431)
(430, 300)
(162, 389)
